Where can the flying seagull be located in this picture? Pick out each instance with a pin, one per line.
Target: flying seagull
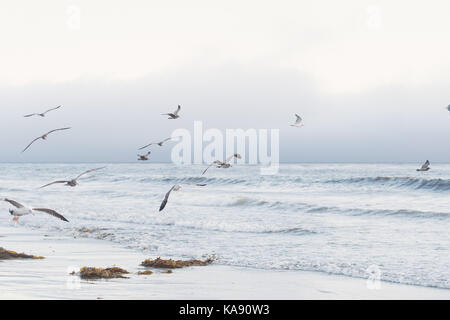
(44, 137)
(225, 164)
(73, 182)
(158, 143)
(22, 210)
(174, 188)
(173, 115)
(298, 122)
(425, 166)
(41, 114)
(448, 108)
(144, 157)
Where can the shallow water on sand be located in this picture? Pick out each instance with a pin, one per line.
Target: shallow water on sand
(335, 218)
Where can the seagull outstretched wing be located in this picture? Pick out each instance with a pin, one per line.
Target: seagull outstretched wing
(426, 164)
(51, 212)
(86, 172)
(166, 198)
(54, 182)
(14, 203)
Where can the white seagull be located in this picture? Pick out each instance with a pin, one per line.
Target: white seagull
(298, 122)
(43, 137)
(175, 188)
(158, 143)
(22, 210)
(41, 114)
(425, 166)
(143, 157)
(173, 115)
(225, 164)
(73, 182)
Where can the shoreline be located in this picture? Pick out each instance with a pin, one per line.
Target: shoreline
(50, 278)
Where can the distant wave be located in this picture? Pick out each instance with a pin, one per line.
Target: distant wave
(301, 207)
(380, 212)
(410, 182)
(175, 179)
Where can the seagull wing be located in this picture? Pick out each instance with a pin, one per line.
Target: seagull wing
(178, 110)
(30, 115)
(426, 164)
(60, 129)
(166, 198)
(86, 172)
(165, 140)
(14, 203)
(51, 212)
(236, 155)
(54, 182)
(298, 119)
(31, 144)
(208, 168)
(52, 109)
(148, 145)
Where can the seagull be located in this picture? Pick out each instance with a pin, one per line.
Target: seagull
(448, 108)
(41, 114)
(425, 166)
(144, 157)
(158, 143)
(73, 182)
(175, 188)
(298, 122)
(44, 137)
(225, 164)
(23, 210)
(173, 115)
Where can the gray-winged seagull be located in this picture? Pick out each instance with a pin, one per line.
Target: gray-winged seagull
(225, 164)
(43, 137)
(173, 115)
(22, 210)
(160, 143)
(175, 188)
(73, 182)
(298, 122)
(425, 166)
(143, 157)
(41, 114)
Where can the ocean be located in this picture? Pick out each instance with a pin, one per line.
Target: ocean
(343, 219)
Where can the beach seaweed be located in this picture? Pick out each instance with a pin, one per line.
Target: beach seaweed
(9, 254)
(100, 273)
(145, 273)
(174, 264)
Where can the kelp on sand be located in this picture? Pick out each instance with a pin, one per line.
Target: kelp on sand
(175, 264)
(9, 255)
(100, 273)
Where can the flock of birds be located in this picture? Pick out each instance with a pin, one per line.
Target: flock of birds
(21, 210)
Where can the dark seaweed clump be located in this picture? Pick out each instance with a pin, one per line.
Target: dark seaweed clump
(9, 254)
(100, 273)
(145, 273)
(174, 264)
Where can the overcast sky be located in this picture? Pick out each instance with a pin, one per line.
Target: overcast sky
(370, 78)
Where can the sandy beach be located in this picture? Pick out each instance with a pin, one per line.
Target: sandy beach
(50, 278)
